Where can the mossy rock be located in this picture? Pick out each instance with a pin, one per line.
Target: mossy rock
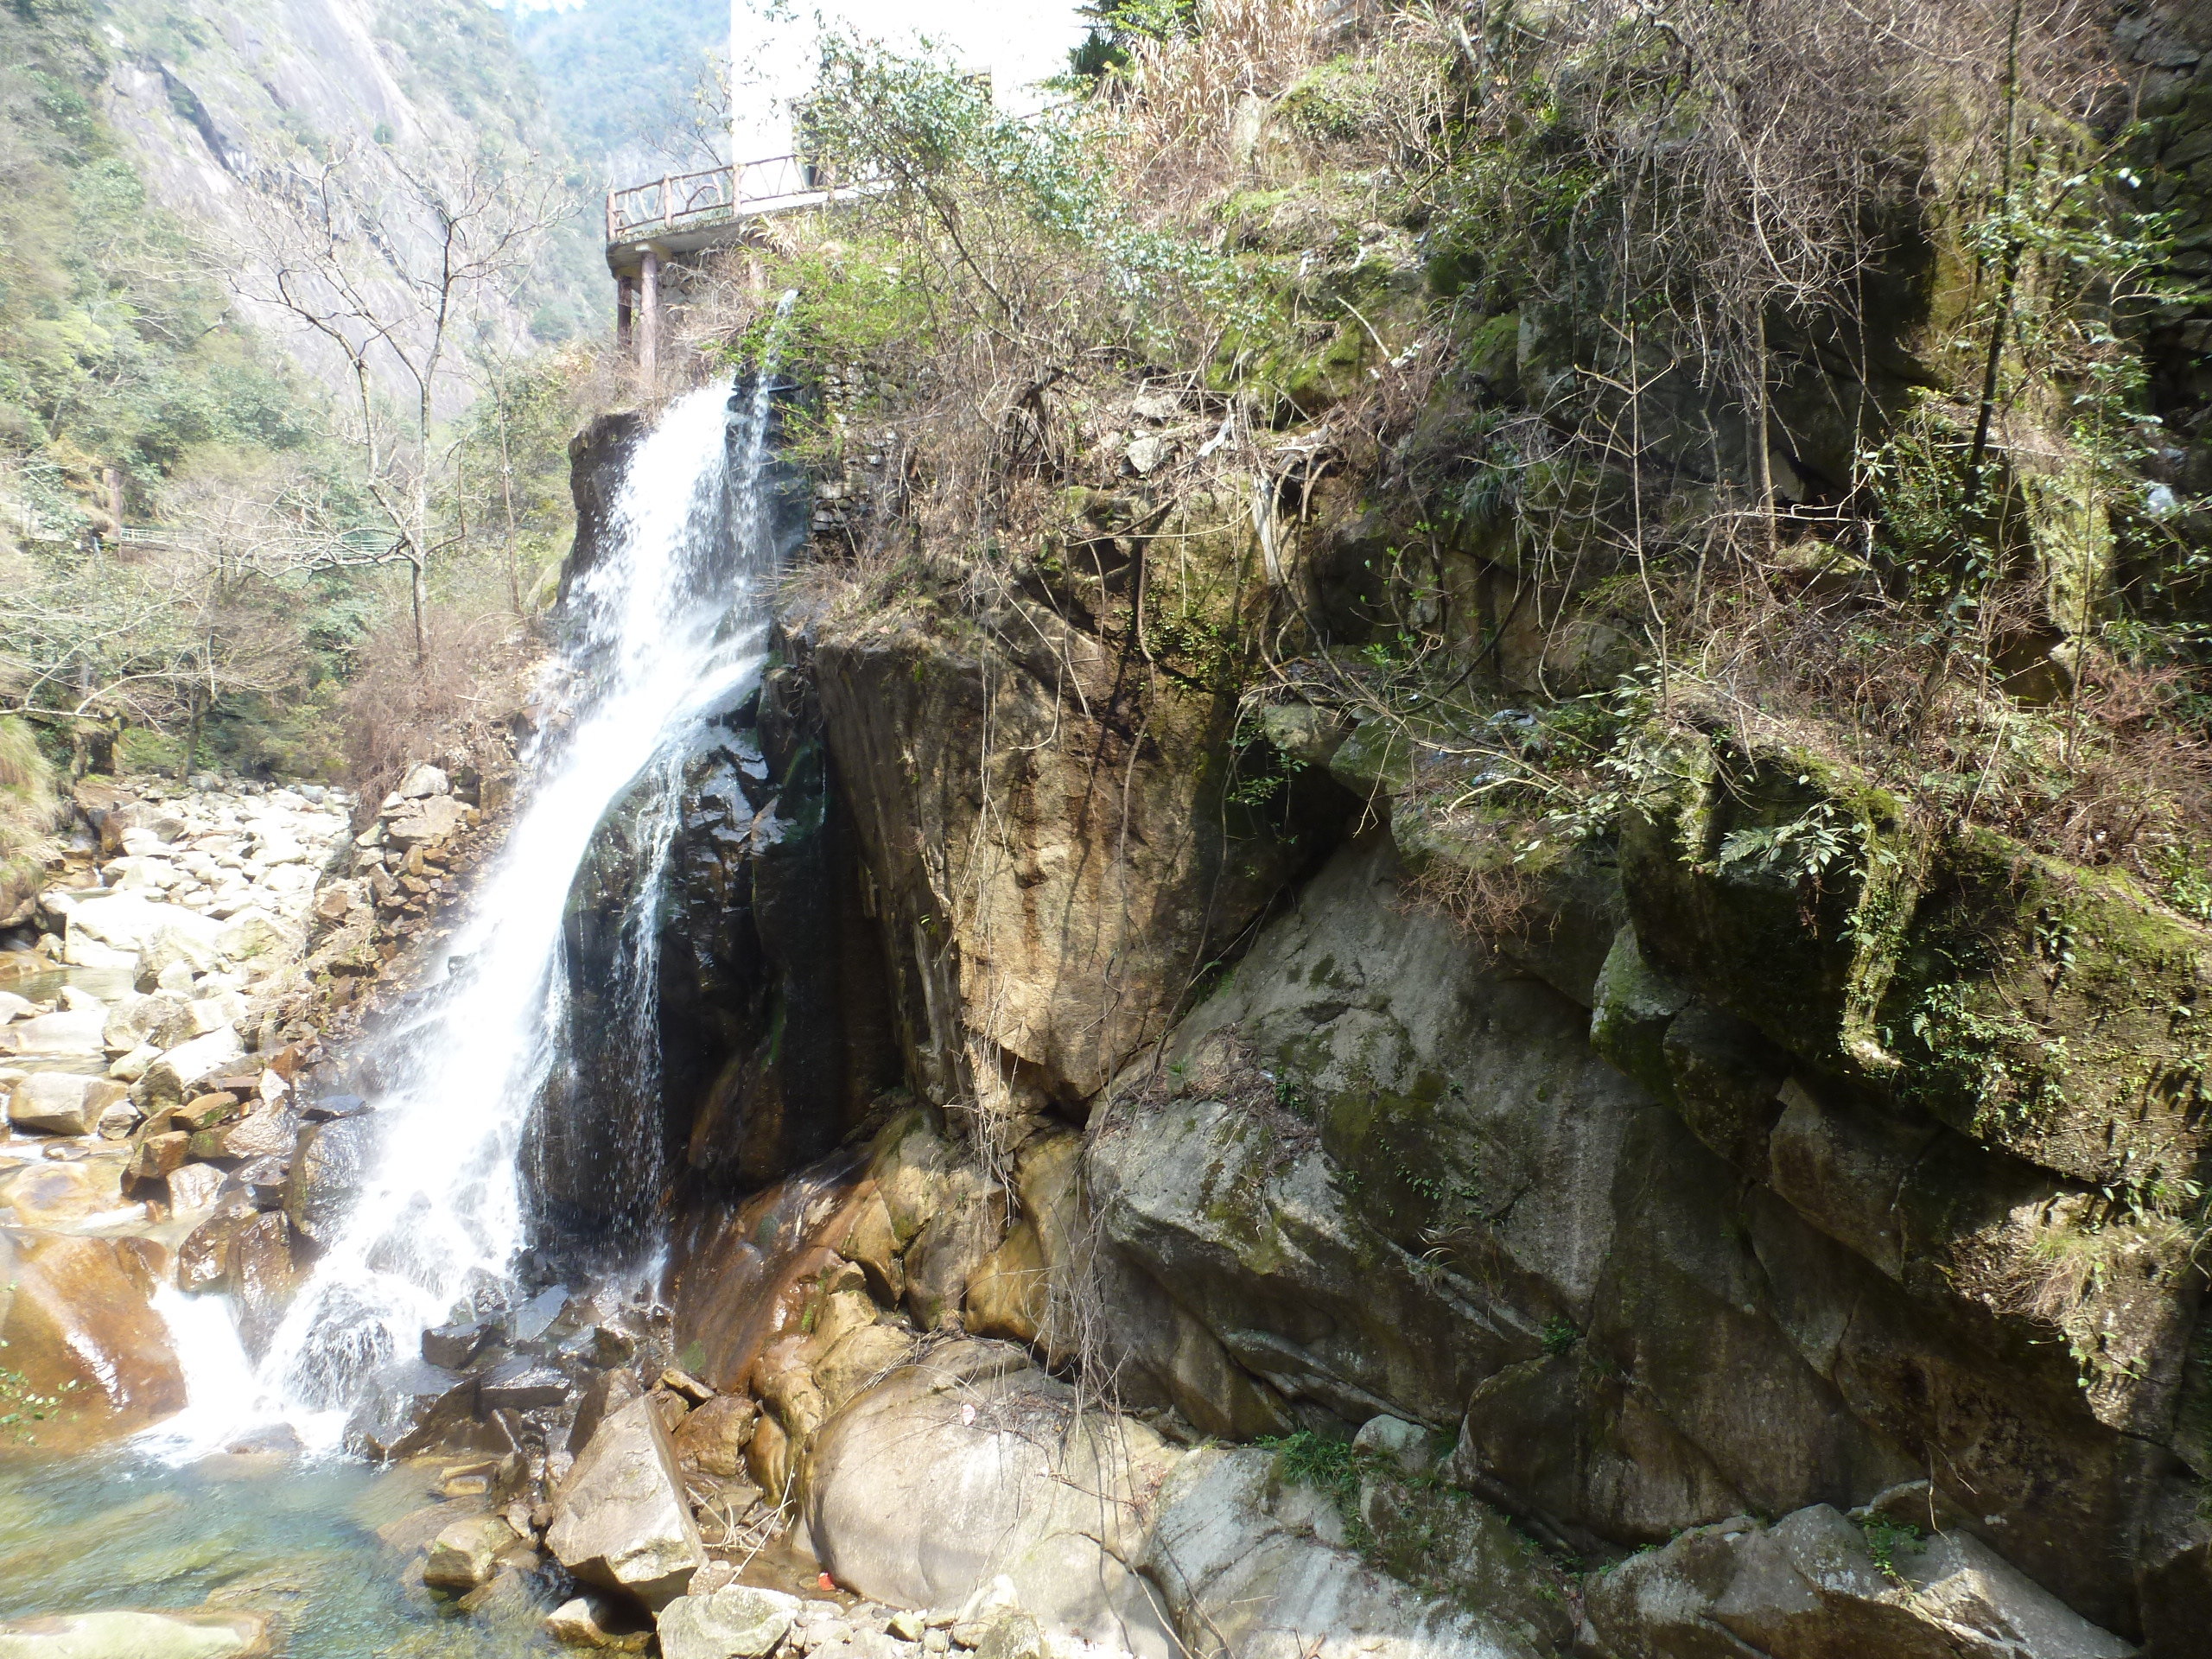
(1779, 884)
(2058, 1012)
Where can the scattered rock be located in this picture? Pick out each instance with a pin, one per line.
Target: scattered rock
(713, 1439)
(521, 1384)
(452, 1346)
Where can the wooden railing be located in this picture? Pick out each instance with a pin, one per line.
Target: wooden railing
(718, 193)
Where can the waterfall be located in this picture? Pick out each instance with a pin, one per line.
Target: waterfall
(669, 628)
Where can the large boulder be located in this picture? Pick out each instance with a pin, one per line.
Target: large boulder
(81, 1329)
(65, 1034)
(620, 1520)
(61, 1194)
(973, 1465)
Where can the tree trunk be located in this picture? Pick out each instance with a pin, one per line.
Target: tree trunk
(192, 735)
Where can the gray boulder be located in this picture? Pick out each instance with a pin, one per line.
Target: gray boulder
(621, 1521)
(972, 1465)
(736, 1622)
(1812, 1586)
(1242, 1566)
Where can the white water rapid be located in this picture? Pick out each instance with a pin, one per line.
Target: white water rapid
(669, 628)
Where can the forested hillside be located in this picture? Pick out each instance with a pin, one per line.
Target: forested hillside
(637, 89)
(149, 377)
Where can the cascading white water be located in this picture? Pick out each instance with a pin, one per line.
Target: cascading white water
(671, 627)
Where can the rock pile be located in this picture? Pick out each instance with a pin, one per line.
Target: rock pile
(389, 885)
(153, 1062)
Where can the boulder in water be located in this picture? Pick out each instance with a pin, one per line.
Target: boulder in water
(263, 1273)
(81, 1328)
(124, 1634)
(61, 1102)
(60, 1193)
(621, 1521)
(596, 1622)
(467, 1553)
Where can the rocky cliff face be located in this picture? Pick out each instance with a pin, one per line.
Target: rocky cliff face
(1640, 1242)
(1673, 1205)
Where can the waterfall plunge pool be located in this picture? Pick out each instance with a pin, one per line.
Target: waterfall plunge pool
(323, 1547)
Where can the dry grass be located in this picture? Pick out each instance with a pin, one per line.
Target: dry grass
(457, 707)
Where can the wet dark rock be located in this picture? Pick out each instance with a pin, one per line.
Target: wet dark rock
(327, 1173)
(534, 1317)
(521, 1385)
(452, 1346)
(399, 1406)
(335, 1106)
(264, 1272)
(264, 1181)
(772, 1031)
(598, 457)
(599, 1346)
(203, 1260)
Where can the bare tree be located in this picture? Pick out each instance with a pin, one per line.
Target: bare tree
(387, 256)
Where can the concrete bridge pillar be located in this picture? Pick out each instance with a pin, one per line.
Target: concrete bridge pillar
(649, 320)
